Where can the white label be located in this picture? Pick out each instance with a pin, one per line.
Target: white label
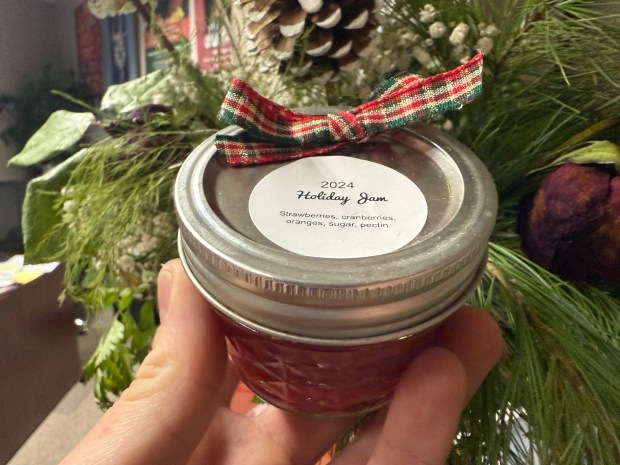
(338, 207)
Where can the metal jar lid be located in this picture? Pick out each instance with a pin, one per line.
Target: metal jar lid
(339, 300)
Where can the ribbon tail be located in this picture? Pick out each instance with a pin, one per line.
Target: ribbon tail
(409, 80)
(406, 99)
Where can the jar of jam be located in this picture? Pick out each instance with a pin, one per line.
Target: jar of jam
(330, 273)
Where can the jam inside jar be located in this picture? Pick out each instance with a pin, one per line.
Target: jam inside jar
(319, 379)
(329, 274)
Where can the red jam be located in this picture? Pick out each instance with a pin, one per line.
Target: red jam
(321, 380)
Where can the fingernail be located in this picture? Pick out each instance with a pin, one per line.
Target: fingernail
(164, 289)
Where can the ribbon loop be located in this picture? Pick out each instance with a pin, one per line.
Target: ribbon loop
(275, 133)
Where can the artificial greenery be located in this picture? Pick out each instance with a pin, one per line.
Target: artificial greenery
(550, 96)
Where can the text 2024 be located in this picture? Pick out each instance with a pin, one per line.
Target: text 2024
(336, 185)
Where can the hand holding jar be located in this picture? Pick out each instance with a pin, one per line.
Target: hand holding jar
(176, 411)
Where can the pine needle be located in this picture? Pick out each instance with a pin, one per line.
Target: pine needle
(558, 381)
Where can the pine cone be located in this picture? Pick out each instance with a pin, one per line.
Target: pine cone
(318, 37)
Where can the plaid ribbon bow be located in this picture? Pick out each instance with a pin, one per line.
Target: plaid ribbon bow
(275, 133)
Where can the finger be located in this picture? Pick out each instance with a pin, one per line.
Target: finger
(474, 336)
(364, 440)
(274, 437)
(229, 384)
(162, 416)
(299, 438)
(424, 415)
(164, 284)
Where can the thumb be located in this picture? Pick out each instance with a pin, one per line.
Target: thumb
(165, 412)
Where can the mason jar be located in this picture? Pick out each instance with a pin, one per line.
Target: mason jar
(330, 273)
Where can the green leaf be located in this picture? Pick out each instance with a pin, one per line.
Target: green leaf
(126, 297)
(142, 339)
(124, 97)
(59, 134)
(109, 343)
(139, 332)
(109, 298)
(598, 151)
(44, 239)
(147, 317)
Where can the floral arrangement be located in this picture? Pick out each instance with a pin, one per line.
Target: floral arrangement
(546, 126)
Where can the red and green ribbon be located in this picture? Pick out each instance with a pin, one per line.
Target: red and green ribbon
(276, 133)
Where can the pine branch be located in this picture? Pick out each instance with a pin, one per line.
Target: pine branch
(546, 86)
(558, 383)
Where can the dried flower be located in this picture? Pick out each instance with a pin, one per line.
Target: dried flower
(437, 30)
(485, 44)
(489, 31)
(69, 206)
(66, 192)
(447, 125)
(573, 224)
(422, 56)
(461, 52)
(459, 34)
(163, 225)
(126, 263)
(428, 14)
(408, 38)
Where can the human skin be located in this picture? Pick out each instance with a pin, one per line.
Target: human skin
(176, 411)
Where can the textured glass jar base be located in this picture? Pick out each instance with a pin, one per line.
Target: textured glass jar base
(321, 380)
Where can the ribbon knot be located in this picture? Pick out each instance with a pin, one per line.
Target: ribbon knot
(345, 125)
(276, 133)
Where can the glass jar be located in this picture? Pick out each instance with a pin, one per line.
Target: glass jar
(329, 274)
